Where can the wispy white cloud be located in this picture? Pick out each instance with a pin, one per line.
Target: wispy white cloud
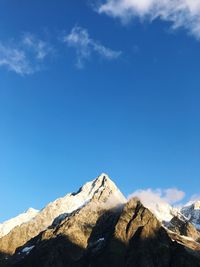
(85, 46)
(41, 48)
(15, 60)
(25, 56)
(170, 195)
(181, 13)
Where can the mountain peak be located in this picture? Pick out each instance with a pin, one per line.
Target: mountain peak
(105, 181)
(103, 175)
(100, 187)
(90, 188)
(103, 178)
(99, 192)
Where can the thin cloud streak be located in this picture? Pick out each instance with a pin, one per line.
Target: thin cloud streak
(39, 47)
(26, 56)
(85, 47)
(15, 60)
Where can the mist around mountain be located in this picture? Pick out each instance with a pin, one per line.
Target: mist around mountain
(98, 226)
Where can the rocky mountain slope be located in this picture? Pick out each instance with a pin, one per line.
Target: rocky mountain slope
(97, 227)
(57, 210)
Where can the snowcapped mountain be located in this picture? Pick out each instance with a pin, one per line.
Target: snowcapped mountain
(25, 217)
(57, 210)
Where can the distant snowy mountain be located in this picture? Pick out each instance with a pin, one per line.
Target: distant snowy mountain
(165, 212)
(25, 217)
(192, 213)
(160, 208)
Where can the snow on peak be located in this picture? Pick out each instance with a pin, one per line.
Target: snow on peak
(116, 196)
(74, 201)
(57, 210)
(7, 226)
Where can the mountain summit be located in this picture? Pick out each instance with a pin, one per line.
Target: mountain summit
(24, 227)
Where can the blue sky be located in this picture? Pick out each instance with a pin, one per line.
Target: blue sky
(89, 87)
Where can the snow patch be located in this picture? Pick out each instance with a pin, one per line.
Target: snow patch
(27, 250)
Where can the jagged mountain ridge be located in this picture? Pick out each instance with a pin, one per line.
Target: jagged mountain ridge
(65, 205)
(96, 219)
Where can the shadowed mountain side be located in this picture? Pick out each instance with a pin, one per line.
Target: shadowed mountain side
(4, 259)
(78, 239)
(157, 251)
(139, 240)
(55, 252)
